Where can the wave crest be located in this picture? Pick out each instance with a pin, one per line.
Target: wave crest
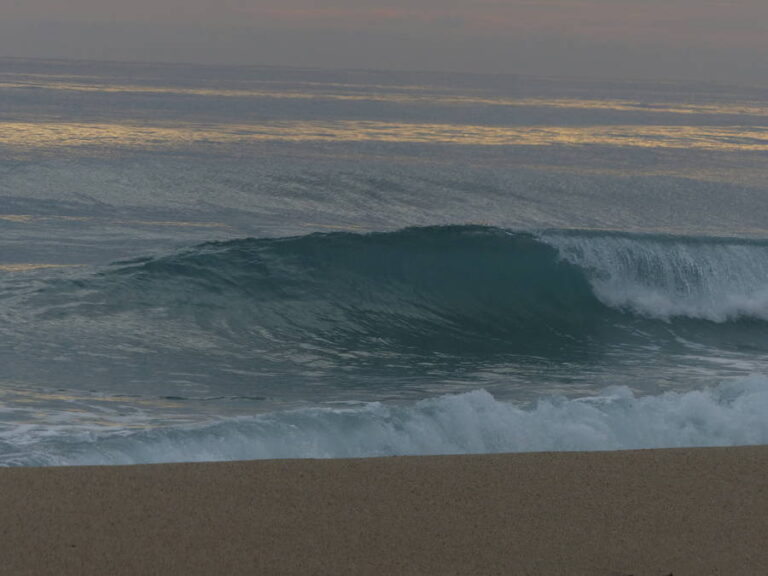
(667, 277)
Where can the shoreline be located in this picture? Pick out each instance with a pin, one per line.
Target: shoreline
(657, 512)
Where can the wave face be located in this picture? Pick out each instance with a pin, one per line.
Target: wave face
(731, 414)
(416, 312)
(446, 288)
(443, 287)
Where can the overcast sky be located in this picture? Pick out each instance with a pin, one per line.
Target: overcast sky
(720, 40)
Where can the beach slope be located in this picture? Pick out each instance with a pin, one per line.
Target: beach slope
(655, 512)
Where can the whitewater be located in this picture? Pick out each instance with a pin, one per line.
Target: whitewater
(226, 296)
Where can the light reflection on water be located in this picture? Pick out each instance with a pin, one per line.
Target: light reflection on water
(411, 96)
(57, 135)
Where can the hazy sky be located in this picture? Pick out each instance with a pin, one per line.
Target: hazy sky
(702, 39)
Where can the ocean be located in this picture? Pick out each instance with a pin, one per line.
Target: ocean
(222, 263)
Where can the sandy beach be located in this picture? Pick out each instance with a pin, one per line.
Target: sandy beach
(655, 512)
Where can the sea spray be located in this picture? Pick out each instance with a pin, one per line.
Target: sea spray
(665, 276)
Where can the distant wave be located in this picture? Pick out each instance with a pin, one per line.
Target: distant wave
(455, 288)
(734, 413)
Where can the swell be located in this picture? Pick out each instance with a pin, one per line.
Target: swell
(454, 288)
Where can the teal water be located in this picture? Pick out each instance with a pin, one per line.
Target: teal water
(213, 263)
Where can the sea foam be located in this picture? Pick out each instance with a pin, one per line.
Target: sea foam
(665, 277)
(734, 413)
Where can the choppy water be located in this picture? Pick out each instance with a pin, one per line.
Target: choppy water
(211, 263)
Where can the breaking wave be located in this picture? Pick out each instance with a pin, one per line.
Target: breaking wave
(456, 288)
(734, 413)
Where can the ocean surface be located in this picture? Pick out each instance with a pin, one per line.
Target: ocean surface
(202, 263)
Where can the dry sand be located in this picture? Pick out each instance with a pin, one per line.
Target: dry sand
(656, 512)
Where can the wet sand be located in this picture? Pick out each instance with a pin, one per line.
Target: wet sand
(655, 512)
